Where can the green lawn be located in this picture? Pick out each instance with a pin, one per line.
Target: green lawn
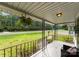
(14, 39)
(65, 38)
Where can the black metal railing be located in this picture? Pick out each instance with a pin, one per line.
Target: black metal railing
(25, 49)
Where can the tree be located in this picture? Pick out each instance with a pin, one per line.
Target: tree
(14, 23)
(64, 27)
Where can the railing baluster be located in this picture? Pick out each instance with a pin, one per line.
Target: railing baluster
(4, 52)
(21, 50)
(29, 48)
(37, 45)
(16, 50)
(33, 47)
(24, 49)
(11, 52)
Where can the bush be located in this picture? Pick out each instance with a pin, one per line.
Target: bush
(49, 40)
(65, 38)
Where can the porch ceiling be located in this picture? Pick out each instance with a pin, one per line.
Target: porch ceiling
(44, 10)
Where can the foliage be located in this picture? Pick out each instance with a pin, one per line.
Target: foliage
(14, 23)
(49, 40)
(14, 39)
(64, 27)
(26, 21)
(65, 38)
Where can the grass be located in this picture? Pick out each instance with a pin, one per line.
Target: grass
(14, 39)
(65, 38)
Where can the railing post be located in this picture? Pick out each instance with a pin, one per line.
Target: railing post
(52, 33)
(37, 47)
(24, 49)
(27, 54)
(43, 34)
(55, 31)
(33, 47)
(29, 49)
(4, 52)
(16, 51)
(11, 52)
(37, 42)
(21, 50)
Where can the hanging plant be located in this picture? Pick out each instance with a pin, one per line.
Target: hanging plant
(26, 21)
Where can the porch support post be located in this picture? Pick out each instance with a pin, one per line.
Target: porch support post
(43, 35)
(77, 35)
(74, 37)
(73, 34)
(69, 27)
(77, 31)
(52, 32)
(55, 32)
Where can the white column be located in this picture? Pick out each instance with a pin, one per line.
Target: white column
(71, 28)
(74, 37)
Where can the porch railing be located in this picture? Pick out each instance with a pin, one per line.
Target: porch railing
(25, 49)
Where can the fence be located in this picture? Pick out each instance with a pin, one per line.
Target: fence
(25, 49)
(21, 50)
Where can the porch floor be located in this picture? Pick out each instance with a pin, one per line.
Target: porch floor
(52, 50)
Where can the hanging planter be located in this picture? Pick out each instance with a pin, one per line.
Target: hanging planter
(26, 21)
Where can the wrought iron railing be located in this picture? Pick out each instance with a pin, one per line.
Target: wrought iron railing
(25, 49)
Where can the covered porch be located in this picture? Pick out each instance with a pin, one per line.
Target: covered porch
(52, 50)
(54, 13)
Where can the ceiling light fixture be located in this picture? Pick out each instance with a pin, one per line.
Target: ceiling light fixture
(59, 14)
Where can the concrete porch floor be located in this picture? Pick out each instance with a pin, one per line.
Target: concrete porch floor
(52, 50)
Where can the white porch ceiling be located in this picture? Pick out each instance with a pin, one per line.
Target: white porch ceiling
(45, 10)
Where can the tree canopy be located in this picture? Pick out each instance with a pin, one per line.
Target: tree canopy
(14, 23)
